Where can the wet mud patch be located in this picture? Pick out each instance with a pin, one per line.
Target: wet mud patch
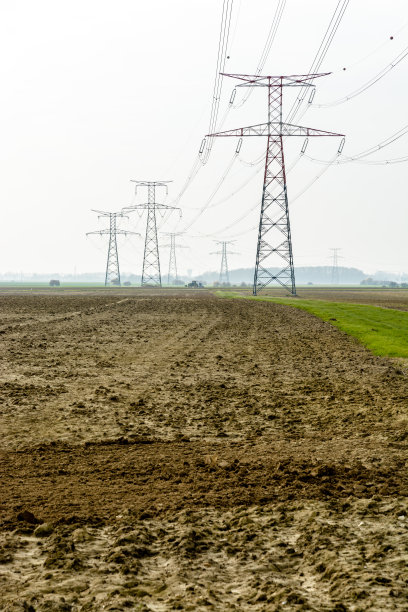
(297, 555)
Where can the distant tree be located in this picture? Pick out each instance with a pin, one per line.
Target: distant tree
(54, 283)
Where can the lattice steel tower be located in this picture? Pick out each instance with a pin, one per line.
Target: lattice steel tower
(224, 273)
(151, 275)
(335, 276)
(112, 275)
(274, 247)
(172, 276)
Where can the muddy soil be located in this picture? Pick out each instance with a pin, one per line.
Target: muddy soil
(171, 450)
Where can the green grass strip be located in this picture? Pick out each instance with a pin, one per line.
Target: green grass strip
(383, 330)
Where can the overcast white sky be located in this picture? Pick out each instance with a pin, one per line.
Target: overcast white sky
(97, 92)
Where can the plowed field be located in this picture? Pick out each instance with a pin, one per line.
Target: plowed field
(175, 451)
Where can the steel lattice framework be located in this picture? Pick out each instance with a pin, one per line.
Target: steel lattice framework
(274, 247)
(112, 274)
(224, 273)
(172, 276)
(151, 275)
(335, 276)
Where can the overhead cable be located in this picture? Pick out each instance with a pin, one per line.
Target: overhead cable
(320, 55)
(373, 51)
(248, 211)
(221, 59)
(206, 146)
(369, 83)
(265, 52)
(385, 143)
(296, 197)
(213, 194)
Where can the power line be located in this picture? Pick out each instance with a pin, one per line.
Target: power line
(266, 50)
(373, 51)
(221, 59)
(358, 156)
(400, 57)
(257, 204)
(383, 162)
(206, 146)
(239, 188)
(213, 194)
(321, 54)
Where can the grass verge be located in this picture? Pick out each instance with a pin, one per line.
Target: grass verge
(383, 330)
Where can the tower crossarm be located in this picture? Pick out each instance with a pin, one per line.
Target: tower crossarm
(294, 80)
(228, 253)
(148, 205)
(103, 213)
(179, 246)
(275, 128)
(117, 232)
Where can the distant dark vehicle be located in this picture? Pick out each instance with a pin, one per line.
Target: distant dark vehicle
(195, 285)
(127, 284)
(54, 283)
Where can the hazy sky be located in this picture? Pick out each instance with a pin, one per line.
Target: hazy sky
(96, 92)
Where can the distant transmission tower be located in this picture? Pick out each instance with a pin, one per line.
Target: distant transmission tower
(112, 275)
(172, 277)
(224, 273)
(274, 237)
(335, 276)
(151, 275)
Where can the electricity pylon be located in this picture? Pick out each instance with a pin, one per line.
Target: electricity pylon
(274, 235)
(112, 275)
(151, 275)
(172, 276)
(335, 276)
(224, 273)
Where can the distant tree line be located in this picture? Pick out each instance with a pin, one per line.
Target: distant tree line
(383, 283)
